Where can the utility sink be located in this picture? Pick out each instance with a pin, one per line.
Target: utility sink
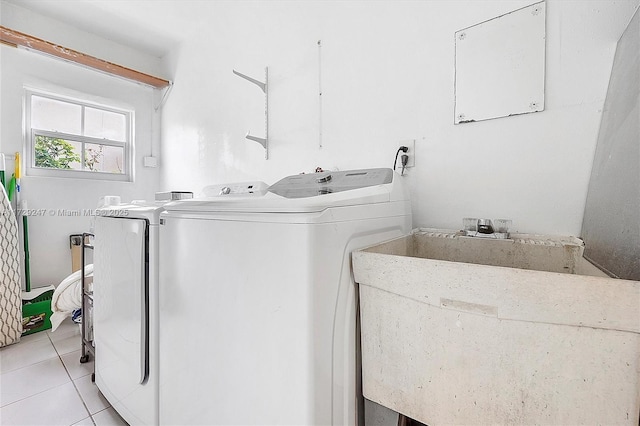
(467, 330)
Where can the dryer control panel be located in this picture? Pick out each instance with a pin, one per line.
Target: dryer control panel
(239, 188)
(315, 184)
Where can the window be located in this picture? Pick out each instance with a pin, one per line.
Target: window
(74, 138)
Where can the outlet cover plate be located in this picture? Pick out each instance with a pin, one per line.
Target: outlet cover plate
(150, 161)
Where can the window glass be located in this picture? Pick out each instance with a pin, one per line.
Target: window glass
(105, 124)
(55, 116)
(73, 138)
(103, 158)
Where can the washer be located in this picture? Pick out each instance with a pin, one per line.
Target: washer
(258, 304)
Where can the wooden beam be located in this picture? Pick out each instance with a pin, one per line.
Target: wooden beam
(15, 38)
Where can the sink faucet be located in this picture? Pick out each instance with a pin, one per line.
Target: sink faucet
(485, 226)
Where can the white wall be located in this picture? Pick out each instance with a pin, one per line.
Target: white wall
(388, 75)
(49, 235)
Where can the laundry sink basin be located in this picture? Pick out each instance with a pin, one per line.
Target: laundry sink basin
(467, 330)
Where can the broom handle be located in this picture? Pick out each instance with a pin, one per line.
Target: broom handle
(25, 230)
(27, 269)
(2, 167)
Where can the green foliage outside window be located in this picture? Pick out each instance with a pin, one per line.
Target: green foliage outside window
(54, 153)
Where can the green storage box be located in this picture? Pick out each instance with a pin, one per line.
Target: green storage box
(36, 315)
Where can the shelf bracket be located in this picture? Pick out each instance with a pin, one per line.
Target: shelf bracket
(261, 141)
(265, 89)
(261, 85)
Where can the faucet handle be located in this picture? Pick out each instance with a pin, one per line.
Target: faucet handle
(485, 226)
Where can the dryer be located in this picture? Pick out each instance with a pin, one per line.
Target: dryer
(258, 304)
(125, 309)
(125, 314)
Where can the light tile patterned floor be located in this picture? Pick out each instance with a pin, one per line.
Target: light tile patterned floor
(42, 382)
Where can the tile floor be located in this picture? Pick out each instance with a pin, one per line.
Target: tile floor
(43, 383)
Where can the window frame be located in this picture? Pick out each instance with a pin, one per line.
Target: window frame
(30, 134)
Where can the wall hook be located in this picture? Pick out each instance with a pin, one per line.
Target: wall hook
(264, 87)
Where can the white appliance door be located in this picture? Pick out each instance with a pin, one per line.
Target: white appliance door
(121, 312)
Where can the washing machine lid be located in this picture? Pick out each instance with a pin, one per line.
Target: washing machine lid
(324, 183)
(307, 193)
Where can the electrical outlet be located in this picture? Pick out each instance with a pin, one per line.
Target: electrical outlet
(411, 144)
(150, 161)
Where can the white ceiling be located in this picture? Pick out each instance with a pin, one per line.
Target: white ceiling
(152, 26)
(157, 26)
